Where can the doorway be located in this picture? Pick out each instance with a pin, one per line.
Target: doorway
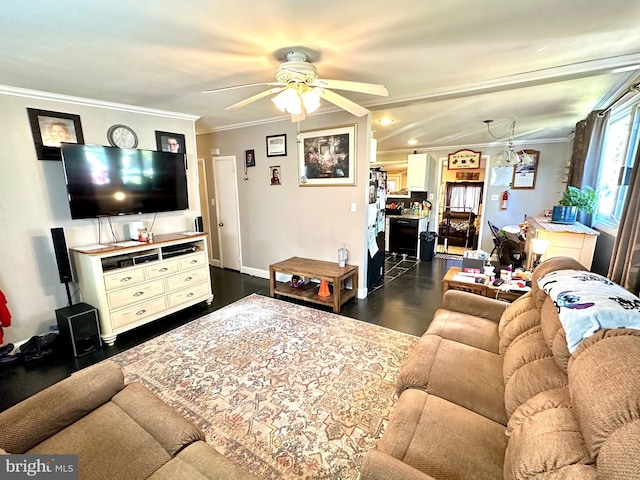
(460, 201)
(227, 211)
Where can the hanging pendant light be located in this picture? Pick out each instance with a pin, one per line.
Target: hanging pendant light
(509, 155)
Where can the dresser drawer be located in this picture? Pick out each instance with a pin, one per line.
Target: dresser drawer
(121, 279)
(138, 312)
(188, 294)
(162, 269)
(193, 261)
(184, 279)
(134, 294)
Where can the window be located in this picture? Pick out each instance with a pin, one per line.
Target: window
(620, 145)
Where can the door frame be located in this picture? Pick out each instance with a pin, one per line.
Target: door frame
(443, 162)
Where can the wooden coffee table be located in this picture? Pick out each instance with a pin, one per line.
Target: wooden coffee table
(319, 270)
(484, 289)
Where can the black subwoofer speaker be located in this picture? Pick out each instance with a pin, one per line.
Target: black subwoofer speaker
(79, 329)
(198, 225)
(62, 254)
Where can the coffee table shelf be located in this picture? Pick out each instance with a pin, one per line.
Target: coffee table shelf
(319, 270)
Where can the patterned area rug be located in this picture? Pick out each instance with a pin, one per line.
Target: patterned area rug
(286, 391)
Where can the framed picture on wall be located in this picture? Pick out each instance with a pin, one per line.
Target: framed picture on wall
(50, 129)
(170, 142)
(274, 173)
(525, 171)
(327, 157)
(277, 145)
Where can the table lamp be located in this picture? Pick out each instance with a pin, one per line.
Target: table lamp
(539, 247)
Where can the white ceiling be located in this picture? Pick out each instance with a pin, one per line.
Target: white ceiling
(447, 65)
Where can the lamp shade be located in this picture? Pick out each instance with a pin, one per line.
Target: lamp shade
(539, 245)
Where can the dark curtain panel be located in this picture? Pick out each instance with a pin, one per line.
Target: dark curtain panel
(625, 261)
(587, 153)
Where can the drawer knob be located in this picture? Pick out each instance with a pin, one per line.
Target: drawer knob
(190, 294)
(125, 279)
(140, 312)
(194, 261)
(137, 294)
(164, 269)
(188, 279)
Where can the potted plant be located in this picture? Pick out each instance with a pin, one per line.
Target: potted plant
(574, 200)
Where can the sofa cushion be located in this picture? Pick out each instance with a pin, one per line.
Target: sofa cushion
(529, 368)
(604, 376)
(545, 439)
(108, 440)
(521, 323)
(49, 411)
(162, 422)
(201, 461)
(465, 375)
(464, 328)
(444, 440)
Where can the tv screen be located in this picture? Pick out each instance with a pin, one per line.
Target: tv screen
(107, 181)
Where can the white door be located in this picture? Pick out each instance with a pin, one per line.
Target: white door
(226, 191)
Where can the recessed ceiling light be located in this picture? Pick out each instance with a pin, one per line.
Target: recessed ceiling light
(386, 121)
(413, 141)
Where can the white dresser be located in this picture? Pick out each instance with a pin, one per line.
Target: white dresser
(135, 284)
(574, 240)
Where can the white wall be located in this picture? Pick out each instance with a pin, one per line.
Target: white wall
(278, 222)
(33, 200)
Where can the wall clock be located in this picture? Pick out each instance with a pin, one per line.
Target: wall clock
(122, 136)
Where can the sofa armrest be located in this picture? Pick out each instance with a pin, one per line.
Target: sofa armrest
(472, 304)
(46, 413)
(378, 465)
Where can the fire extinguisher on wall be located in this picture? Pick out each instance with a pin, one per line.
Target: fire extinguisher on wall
(505, 199)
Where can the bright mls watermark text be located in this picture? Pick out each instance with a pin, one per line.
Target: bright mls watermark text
(49, 467)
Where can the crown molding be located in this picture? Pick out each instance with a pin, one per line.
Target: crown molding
(89, 102)
(477, 146)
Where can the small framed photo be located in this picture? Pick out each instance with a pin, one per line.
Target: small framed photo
(277, 145)
(50, 129)
(274, 173)
(249, 158)
(170, 142)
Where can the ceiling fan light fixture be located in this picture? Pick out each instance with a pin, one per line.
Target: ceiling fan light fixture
(288, 101)
(311, 100)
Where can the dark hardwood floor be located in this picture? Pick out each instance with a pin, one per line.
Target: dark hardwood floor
(406, 303)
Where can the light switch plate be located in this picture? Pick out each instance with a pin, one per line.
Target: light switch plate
(354, 207)
(494, 197)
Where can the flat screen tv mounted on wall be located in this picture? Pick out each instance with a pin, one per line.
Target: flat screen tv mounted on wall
(109, 181)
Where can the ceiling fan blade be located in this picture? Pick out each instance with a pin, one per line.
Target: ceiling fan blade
(370, 88)
(224, 89)
(258, 96)
(342, 102)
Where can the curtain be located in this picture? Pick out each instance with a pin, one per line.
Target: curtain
(624, 267)
(463, 196)
(586, 154)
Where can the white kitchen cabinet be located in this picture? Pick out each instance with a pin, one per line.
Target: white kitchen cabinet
(420, 167)
(135, 284)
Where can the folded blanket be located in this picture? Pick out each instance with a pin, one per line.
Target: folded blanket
(588, 302)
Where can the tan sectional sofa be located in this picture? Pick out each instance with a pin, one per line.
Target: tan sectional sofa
(491, 392)
(120, 432)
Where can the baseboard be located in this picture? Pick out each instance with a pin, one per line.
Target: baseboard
(255, 272)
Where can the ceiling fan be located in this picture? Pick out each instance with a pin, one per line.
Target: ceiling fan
(299, 89)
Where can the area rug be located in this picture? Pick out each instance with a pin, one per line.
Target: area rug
(286, 391)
